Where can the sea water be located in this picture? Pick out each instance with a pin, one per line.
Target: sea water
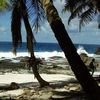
(44, 50)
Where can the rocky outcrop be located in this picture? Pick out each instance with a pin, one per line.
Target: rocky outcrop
(84, 57)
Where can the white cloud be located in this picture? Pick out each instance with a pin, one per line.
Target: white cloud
(3, 29)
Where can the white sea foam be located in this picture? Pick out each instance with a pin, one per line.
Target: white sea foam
(45, 55)
(10, 55)
(81, 50)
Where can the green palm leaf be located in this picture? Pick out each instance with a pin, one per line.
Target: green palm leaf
(79, 10)
(4, 5)
(86, 17)
(83, 9)
(71, 5)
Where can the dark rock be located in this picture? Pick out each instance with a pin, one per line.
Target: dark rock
(5, 61)
(13, 86)
(86, 59)
(23, 59)
(97, 51)
(55, 57)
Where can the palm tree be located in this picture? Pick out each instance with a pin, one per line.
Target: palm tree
(80, 70)
(20, 12)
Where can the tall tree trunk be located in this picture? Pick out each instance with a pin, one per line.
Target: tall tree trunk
(30, 40)
(32, 61)
(78, 67)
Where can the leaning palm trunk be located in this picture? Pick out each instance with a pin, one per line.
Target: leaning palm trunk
(30, 40)
(34, 64)
(81, 72)
(32, 60)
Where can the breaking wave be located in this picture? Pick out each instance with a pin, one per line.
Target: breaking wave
(44, 54)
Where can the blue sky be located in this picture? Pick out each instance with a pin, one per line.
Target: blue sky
(90, 34)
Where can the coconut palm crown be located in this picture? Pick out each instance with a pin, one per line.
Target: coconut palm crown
(25, 10)
(85, 10)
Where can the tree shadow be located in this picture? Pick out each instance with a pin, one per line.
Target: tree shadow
(56, 93)
(61, 84)
(65, 94)
(72, 95)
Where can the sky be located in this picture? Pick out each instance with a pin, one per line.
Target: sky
(89, 34)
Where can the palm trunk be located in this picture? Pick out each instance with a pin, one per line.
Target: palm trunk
(38, 77)
(33, 63)
(30, 47)
(78, 67)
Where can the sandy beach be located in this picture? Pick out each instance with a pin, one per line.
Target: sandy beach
(55, 70)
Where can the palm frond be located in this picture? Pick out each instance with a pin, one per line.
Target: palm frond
(71, 5)
(30, 36)
(4, 5)
(98, 21)
(77, 12)
(86, 17)
(83, 9)
(16, 27)
(20, 12)
(35, 9)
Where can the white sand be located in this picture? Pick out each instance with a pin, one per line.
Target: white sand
(12, 93)
(24, 78)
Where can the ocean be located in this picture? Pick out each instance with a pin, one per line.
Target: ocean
(44, 50)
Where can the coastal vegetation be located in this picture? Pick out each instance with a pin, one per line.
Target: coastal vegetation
(4, 4)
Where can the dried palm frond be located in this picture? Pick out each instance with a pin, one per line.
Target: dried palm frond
(20, 12)
(16, 27)
(23, 10)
